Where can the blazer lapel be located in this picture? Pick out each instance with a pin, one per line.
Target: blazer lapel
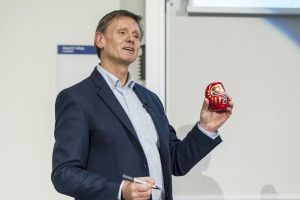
(163, 139)
(105, 93)
(155, 116)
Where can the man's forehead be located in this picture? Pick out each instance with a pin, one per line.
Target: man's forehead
(119, 22)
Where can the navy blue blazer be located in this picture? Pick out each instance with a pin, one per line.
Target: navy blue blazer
(95, 142)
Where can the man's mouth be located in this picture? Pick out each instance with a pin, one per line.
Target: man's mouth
(129, 49)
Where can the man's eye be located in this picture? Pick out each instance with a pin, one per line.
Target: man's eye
(121, 32)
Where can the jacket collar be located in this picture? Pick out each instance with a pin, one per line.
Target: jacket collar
(106, 94)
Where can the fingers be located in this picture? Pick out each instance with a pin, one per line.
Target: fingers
(212, 120)
(144, 195)
(205, 105)
(135, 191)
(147, 180)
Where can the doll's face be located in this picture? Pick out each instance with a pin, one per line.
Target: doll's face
(217, 90)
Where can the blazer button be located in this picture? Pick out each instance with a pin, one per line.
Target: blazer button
(166, 195)
(144, 166)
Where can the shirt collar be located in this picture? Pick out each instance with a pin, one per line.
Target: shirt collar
(113, 81)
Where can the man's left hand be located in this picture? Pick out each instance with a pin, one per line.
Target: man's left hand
(212, 120)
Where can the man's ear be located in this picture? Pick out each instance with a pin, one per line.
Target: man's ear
(99, 40)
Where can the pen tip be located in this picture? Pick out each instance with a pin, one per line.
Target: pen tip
(156, 187)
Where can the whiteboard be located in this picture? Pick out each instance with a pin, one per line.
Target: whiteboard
(259, 67)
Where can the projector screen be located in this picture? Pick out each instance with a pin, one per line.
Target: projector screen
(286, 7)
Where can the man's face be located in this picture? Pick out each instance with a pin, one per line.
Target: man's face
(121, 41)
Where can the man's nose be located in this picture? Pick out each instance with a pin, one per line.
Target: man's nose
(130, 38)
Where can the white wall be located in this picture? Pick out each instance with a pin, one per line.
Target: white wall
(30, 31)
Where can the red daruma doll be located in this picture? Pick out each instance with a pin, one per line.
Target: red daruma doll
(216, 94)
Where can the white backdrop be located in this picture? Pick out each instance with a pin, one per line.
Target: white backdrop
(30, 33)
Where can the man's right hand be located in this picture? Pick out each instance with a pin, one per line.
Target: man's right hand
(137, 191)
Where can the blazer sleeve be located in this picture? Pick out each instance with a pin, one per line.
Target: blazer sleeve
(187, 153)
(69, 174)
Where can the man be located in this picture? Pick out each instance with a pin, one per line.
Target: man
(108, 125)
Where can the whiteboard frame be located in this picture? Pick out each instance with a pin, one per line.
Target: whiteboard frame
(155, 47)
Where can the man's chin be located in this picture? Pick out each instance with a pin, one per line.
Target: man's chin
(129, 61)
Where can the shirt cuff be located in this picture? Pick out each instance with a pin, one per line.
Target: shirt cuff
(212, 135)
(120, 190)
